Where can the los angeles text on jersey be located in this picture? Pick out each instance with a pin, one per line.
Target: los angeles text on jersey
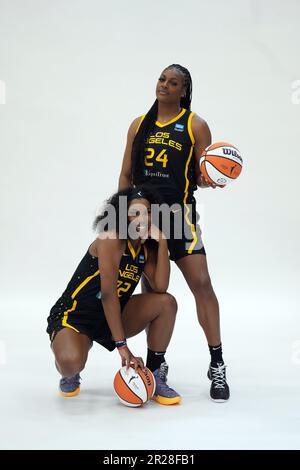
(130, 272)
(163, 138)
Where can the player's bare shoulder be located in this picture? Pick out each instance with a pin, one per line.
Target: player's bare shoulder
(134, 126)
(199, 123)
(108, 240)
(201, 130)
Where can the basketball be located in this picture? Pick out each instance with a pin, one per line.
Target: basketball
(221, 163)
(134, 388)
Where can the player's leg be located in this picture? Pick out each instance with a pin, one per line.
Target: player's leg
(195, 271)
(146, 289)
(71, 351)
(156, 313)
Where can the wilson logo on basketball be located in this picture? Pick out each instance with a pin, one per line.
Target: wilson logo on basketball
(147, 378)
(227, 151)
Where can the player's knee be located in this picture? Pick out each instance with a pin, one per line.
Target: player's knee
(201, 285)
(169, 303)
(70, 362)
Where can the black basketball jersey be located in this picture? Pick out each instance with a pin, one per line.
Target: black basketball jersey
(84, 289)
(168, 160)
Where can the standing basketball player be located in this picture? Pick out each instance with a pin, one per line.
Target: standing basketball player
(164, 148)
(98, 305)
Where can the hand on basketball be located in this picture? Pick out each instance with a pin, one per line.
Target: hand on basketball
(128, 359)
(204, 183)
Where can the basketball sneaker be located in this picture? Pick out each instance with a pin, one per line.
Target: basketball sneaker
(70, 386)
(219, 390)
(164, 394)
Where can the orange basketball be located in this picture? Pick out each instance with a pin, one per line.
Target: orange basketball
(221, 163)
(133, 388)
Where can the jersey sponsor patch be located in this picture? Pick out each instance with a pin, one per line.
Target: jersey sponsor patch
(157, 174)
(179, 127)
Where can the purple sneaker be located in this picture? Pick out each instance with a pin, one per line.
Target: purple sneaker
(163, 393)
(70, 386)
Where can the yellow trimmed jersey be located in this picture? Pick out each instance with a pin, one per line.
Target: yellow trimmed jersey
(83, 292)
(168, 160)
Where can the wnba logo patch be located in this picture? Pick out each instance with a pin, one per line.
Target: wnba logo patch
(141, 259)
(179, 127)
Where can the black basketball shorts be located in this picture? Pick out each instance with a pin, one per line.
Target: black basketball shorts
(81, 320)
(184, 236)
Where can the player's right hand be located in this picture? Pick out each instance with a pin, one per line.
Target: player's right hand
(128, 359)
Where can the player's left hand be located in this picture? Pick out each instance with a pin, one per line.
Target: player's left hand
(155, 233)
(204, 183)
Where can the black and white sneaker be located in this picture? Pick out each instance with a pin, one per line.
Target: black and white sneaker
(219, 390)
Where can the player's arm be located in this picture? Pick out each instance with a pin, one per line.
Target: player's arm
(202, 137)
(125, 175)
(109, 253)
(157, 267)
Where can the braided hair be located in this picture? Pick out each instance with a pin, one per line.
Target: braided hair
(148, 124)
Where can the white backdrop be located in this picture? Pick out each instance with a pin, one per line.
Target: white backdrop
(75, 74)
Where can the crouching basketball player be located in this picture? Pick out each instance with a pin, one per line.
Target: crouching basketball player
(98, 304)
